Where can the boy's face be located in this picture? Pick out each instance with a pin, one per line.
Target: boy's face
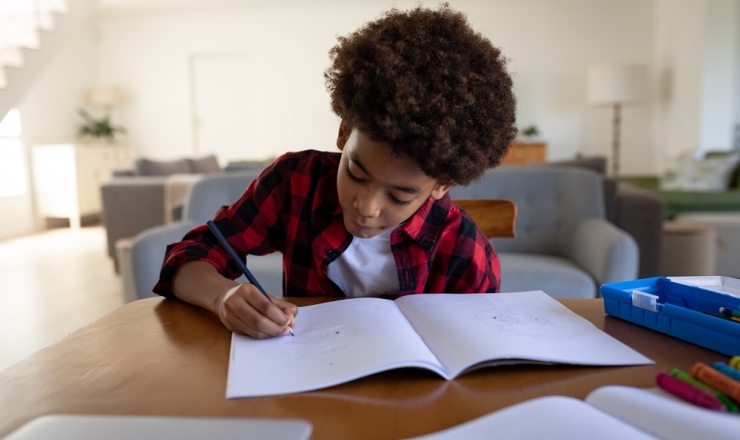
(377, 189)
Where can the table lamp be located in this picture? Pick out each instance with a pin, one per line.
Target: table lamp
(615, 86)
(104, 96)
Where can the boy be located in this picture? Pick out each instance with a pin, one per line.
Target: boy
(425, 103)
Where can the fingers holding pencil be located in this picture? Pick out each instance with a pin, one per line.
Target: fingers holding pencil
(244, 309)
(265, 309)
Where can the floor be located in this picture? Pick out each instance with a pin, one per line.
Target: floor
(51, 284)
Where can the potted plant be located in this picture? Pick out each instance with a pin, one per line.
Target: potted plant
(98, 129)
(530, 133)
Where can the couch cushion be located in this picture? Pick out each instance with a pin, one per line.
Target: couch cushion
(556, 276)
(713, 173)
(551, 202)
(148, 167)
(211, 192)
(595, 163)
(205, 164)
(598, 164)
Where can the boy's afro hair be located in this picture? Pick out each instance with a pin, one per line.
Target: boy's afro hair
(427, 84)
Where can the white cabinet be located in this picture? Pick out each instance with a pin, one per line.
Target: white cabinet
(67, 177)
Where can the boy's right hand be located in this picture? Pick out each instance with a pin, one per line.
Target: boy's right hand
(243, 309)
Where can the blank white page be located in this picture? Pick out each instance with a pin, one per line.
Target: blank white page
(465, 330)
(334, 343)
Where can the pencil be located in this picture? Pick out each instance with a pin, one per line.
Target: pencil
(243, 267)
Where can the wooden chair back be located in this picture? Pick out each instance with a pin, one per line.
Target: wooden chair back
(495, 217)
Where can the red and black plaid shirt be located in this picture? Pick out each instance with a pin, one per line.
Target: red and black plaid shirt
(293, 208)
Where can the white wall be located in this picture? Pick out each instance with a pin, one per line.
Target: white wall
(48, 114)
(148, 55)
(16, 216)
(719, 75)
(736, 141)
(550, 44)
(677, 67)
(49, 109)
(736, 82)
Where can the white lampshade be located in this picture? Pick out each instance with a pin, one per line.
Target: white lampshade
(105, 96)
(616, 84)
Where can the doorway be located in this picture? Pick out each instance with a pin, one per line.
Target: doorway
(222, 98)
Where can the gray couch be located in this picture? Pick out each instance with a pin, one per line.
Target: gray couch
(149, 167)
(636, 211)
(565, 245)
(137, 199)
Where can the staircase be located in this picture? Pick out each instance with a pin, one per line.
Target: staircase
(30, 33)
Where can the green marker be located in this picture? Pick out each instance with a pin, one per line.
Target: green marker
(678, 374)
(729, 312)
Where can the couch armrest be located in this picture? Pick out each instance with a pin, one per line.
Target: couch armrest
(147, 254)
(131, 205)
(606, 252)
(640, 213)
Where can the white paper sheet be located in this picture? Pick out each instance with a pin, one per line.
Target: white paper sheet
(464, 330)
(334, 342)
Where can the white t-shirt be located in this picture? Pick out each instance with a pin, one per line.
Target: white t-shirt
(366, 268)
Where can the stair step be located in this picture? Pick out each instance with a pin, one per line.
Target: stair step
(11, 57)
(20, 23)
(20, 20)
(45, 21)
(19, 38)
(25, 24)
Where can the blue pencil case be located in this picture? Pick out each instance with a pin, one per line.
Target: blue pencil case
(682, 307)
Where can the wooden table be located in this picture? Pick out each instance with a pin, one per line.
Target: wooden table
(164, 357)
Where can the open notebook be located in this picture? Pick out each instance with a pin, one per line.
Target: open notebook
(449, 334)
(608, 413)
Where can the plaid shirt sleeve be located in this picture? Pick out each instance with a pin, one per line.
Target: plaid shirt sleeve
(247, 228)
